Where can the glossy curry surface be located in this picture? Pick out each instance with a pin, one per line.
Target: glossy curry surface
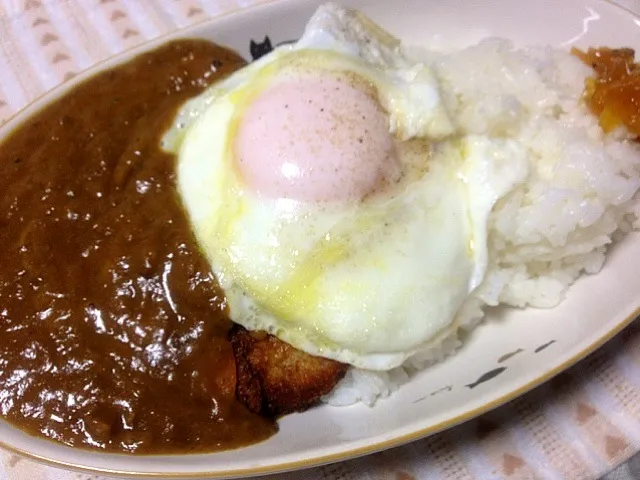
(113, 332)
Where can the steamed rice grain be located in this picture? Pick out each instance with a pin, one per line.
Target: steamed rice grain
(580, 196)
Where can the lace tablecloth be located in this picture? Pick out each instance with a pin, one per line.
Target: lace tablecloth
(582, 425)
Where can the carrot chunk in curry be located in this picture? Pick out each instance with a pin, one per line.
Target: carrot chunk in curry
(614, 93)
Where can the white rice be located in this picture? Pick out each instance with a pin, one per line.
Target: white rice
(580, 196)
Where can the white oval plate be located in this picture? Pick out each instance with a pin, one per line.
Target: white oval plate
(549, 340)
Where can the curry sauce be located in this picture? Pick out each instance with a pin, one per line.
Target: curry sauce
(113, 331)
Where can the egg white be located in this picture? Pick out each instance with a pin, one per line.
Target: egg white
(370, 283)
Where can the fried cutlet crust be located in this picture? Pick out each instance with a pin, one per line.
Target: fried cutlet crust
(274, 378)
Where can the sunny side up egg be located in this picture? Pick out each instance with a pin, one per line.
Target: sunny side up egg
(327, 188)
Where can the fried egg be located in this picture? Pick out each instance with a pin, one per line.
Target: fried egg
(328, 190)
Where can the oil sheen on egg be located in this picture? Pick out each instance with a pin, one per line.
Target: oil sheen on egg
(327, 188)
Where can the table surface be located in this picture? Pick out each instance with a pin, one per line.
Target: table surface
(582, 425)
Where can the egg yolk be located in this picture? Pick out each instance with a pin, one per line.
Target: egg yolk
(313, 139)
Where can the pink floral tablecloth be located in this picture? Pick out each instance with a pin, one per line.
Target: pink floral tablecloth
(582, 425)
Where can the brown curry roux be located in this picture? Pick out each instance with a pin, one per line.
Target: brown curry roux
(113, 333)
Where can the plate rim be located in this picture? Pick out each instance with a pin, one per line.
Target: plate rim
(312, 461)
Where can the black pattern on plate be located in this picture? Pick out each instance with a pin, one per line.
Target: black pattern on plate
(543, 346)
(507, 356)
(485, 377)
(260, 49)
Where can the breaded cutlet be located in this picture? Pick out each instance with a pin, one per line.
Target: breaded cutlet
(274, 378)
